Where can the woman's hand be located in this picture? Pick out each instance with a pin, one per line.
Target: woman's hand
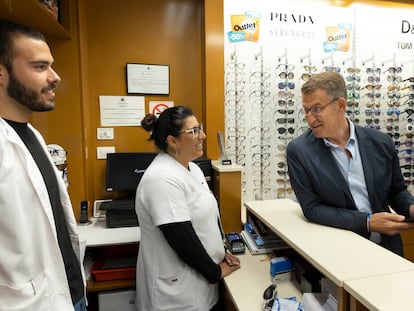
(229, 265)
(231, 260)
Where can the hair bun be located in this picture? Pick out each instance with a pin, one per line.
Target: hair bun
(148, 122)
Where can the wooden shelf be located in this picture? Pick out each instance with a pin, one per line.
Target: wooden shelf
(32, 13)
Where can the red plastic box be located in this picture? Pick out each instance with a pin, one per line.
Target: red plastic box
(116, 263)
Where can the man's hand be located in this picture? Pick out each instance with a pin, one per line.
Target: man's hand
(389, 223)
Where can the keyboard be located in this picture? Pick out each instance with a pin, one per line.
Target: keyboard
(117, 204)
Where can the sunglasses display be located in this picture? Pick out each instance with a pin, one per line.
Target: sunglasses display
(264, 113)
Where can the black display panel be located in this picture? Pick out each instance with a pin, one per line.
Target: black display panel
(124, 170)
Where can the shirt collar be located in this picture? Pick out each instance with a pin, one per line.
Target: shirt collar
(351, 139)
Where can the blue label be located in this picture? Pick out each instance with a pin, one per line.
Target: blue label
(235, 36)
(253, 14)
(345, 26)
(329, 47)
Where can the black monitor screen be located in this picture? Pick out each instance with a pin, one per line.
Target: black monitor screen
(125, 170)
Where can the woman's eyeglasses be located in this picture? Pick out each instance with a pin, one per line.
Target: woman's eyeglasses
(196, 131)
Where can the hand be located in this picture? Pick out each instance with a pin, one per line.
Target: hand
(389, 223)
(231, 260)
(229, 265)
(226, 269)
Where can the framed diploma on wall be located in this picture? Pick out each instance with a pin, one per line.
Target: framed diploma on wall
(148, 79)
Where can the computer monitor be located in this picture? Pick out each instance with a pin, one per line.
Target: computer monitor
(124, 170)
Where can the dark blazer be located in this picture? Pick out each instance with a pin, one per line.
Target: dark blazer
(323, 192)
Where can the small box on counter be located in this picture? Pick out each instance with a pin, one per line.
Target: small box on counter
(280, 269)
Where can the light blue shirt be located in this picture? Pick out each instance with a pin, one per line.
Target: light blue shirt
(353, 172)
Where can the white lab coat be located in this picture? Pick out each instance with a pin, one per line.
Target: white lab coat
(32, 272)
(169, 193)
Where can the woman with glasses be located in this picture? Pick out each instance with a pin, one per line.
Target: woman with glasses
(181, 257)
(345, 175)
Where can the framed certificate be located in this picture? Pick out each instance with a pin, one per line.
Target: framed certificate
(148, 79)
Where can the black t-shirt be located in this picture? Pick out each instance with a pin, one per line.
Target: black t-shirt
(71, 262)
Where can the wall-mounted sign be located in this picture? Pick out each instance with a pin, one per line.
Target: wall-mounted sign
(121, 110)
(156, 107)
(148, 79)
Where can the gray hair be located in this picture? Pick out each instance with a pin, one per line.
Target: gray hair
(332, 82)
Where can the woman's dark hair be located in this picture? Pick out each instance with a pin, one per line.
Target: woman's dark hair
(170, 122)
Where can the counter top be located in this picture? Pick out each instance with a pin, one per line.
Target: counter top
(226, 168)
(339, 254)
(97, 234)
(247, 285)
(388, 292)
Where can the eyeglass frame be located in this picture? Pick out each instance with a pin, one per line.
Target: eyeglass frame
(317, 109)
(194, 130)
(60, 153)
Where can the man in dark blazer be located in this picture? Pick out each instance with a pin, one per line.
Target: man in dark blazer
(344, 175)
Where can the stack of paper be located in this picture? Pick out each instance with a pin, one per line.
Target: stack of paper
(259, 239)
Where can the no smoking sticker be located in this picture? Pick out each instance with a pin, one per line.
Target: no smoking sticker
(156, 107)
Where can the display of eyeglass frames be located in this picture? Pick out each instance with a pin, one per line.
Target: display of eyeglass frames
(353, 87)
(235, 85)
(264, 113)
(285, 123)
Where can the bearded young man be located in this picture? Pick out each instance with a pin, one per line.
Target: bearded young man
(40, 267)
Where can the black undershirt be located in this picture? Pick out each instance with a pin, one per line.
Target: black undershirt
(71, 262)
(182, 237)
